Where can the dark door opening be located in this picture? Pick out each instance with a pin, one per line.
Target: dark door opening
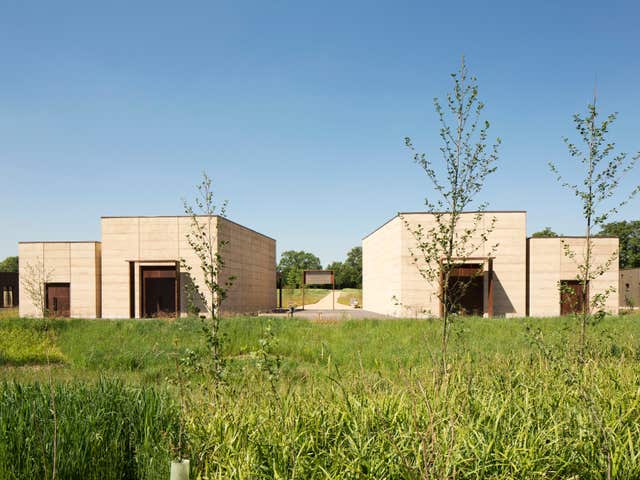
(58, 299)
(466, 288)
(571, 297)
(159, 292)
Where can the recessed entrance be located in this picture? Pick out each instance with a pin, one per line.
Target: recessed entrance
(158, 291)
(571, 297)
(466, 285)
(58, 299)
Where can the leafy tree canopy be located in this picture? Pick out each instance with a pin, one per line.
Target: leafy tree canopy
(348, 274)
(9, 264)
(354, 259)
(545, 233)
(629, 235)
(293, 262)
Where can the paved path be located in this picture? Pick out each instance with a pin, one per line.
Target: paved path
(328, 315)
(322, 312)
(326, 303)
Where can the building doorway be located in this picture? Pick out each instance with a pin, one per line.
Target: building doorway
(470, 282)
(571, 297)
(159, 291)
(466, 285)
(58, 299)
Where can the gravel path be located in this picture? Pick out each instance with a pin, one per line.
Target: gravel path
(326, 303)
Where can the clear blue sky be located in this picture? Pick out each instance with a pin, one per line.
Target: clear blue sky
(114, 108)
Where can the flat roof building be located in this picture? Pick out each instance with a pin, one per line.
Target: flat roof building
(136, 270)
(550, 268)
(62, 277)
(513, 275)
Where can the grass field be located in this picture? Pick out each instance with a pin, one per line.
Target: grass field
(8, 313)
(293, 296)
(347, 294)
(353, 399)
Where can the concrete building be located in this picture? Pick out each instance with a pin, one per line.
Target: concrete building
(550, 266)
(69, 274)
(629, 288)
(136, 270)
(513, 275)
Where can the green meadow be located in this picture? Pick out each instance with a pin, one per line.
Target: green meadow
(349, 400)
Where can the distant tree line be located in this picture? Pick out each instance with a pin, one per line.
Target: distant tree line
(9, 264)
(629, 235)
(348, 274)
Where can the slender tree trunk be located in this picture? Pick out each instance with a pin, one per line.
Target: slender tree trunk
(586, 310)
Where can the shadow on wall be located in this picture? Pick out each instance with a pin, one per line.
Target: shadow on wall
(501, 302)
(186, 285)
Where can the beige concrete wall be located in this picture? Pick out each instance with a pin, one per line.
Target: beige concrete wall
(120, 242)
(393, 243)
(506, 242)
(381, 269)
(85, 280)
(251, 258)
(31, 255)
(162, 240)
(548, 265)
(629, 287)
(76, 263)
(98, 279)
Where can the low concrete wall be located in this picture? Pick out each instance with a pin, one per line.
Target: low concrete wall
(548, 265)
(76, 263)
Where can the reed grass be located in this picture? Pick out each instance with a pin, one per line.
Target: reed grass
(354, 399)
(104, 431)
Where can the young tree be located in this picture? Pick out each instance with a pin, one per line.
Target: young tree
(601, 172)
(629, 235)
(545, 233)
(34, 280)
(208, 248)
(467, 160)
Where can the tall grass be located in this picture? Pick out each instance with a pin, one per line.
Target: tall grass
(354, 399)
(517, 418)
(104, 431)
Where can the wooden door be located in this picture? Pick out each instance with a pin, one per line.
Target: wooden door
(159, 292)
(571, 297)
(469, 295)
(58, 300)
